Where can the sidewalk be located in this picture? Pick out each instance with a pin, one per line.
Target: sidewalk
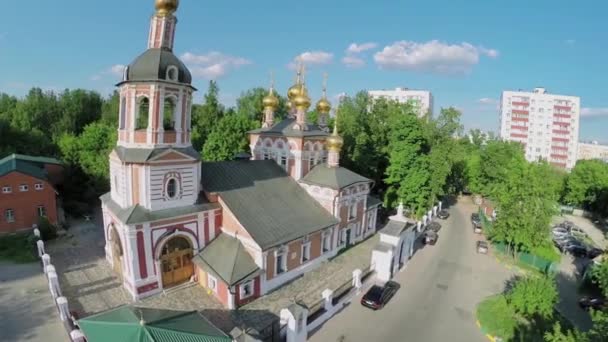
(27, 311)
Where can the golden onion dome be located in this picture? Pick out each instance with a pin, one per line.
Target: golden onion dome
(166, 7)
(294, 91)
(335, 142)
(323, 106)
(270, 101)
(302, 101)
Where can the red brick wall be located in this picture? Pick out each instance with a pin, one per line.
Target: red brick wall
(256, 293)
(25, 204)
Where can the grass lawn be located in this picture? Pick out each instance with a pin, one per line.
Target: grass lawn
(17, 248)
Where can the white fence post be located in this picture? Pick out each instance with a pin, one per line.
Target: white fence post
(77, 336)
(419, 226)
(440, 204)
(357, 279)
(64, 311)
(424, 218)
(37, 232)
(50, 269)
(40, 245)
(430, 214)
(46, 260)
(54, 285)
(435, 210)
(328, 296)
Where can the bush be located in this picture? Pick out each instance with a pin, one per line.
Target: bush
(534, 296)
(47, 230)
(547, 251)
(497, 317)
(17, 248)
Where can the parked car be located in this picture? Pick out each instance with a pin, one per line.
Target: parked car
(430, 237)
(377, 296)
(594, 252)
(559, 231)
(434, 226)
(477, 229)
(443, 214)
(577, 250)
(574, 230)
(482, 247)
(476, 219)
(567, 246)
(595, 303)
(562, 240)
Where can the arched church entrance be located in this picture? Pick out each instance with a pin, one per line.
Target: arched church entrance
(117, 251)
(176, 261)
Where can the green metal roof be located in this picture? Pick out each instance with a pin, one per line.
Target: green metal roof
(29, 165)
(226, 257)
(135, 324)
(284, 128)
(152, 66)
(336, 178)
(268, 203)
(142, 155)
(138, 214)
(373, 201)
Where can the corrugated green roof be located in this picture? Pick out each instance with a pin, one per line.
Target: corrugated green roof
(29, 165)
(226, 257)
(135, 324)
(269, 204)
(142, 155)
(336, 178)
(284, 128)
(138, 214)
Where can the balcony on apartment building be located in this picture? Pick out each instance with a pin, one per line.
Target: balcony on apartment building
(559, 156)
(559, 148)
(520, 111)
(520, 103)
(560, 139)
(562, 115)
(565, 108)
(519, 135)
(522, 128)
(561, 132)
(517, 118)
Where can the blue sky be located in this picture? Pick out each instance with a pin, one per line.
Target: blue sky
(465, 52)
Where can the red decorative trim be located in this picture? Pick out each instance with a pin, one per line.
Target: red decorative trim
(218, 222)
(206, 228)
(147, 288)
(141, 251)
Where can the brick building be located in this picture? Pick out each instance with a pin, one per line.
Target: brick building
(28, 191)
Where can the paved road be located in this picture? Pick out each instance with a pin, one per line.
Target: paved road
(440, 288)
(27, 311)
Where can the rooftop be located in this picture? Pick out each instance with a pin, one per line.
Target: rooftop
(30, 165)
(333, 177)
(284, 128)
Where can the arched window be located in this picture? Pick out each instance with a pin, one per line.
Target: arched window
(123, 110)
(171, 188)
(172, 73)
(168, 116)
(142, 115)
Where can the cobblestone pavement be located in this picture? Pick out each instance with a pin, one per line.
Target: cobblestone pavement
(86, 279)
(27, 311)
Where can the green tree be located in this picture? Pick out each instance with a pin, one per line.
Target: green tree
(587, 186)
(110, 109)
(228, 138)
(600, 276)
(206, 116)
(250, 104)
(599, 331)
(77, 109)
(534, 297)
(559, 335)
(499, 160)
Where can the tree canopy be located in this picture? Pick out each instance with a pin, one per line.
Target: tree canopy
(229, 137)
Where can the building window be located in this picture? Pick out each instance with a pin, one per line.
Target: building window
(41, 211)
(212, 282)
(38, 186)
(247, 289)
(7, 190)
(172, 73)
(370, 221)
(171, 188)
(23, 187)
(266, 155)
(283, 161)
(326, 241)
(9, 215)
(305, 251)
(343, 236)
(281, 262)
(352, 211)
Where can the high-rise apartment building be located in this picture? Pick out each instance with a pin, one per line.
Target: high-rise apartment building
(546, 124)
(422, 99)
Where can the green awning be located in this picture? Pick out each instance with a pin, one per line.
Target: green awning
(134, 324)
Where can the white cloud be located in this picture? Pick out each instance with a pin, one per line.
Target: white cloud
(597, 111)
(432, 56)
(213, 65)
(487, 101)
(312, 58)
(116, 70)
(358, 48)
(353, 61)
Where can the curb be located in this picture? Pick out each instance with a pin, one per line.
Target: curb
(488, 336)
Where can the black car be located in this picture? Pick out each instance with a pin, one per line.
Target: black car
(443, 214)
(594, 252)
(594, 303)
(577, 250)
(434, 226)
(377, 296)
(476, 220)
(430, 238)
